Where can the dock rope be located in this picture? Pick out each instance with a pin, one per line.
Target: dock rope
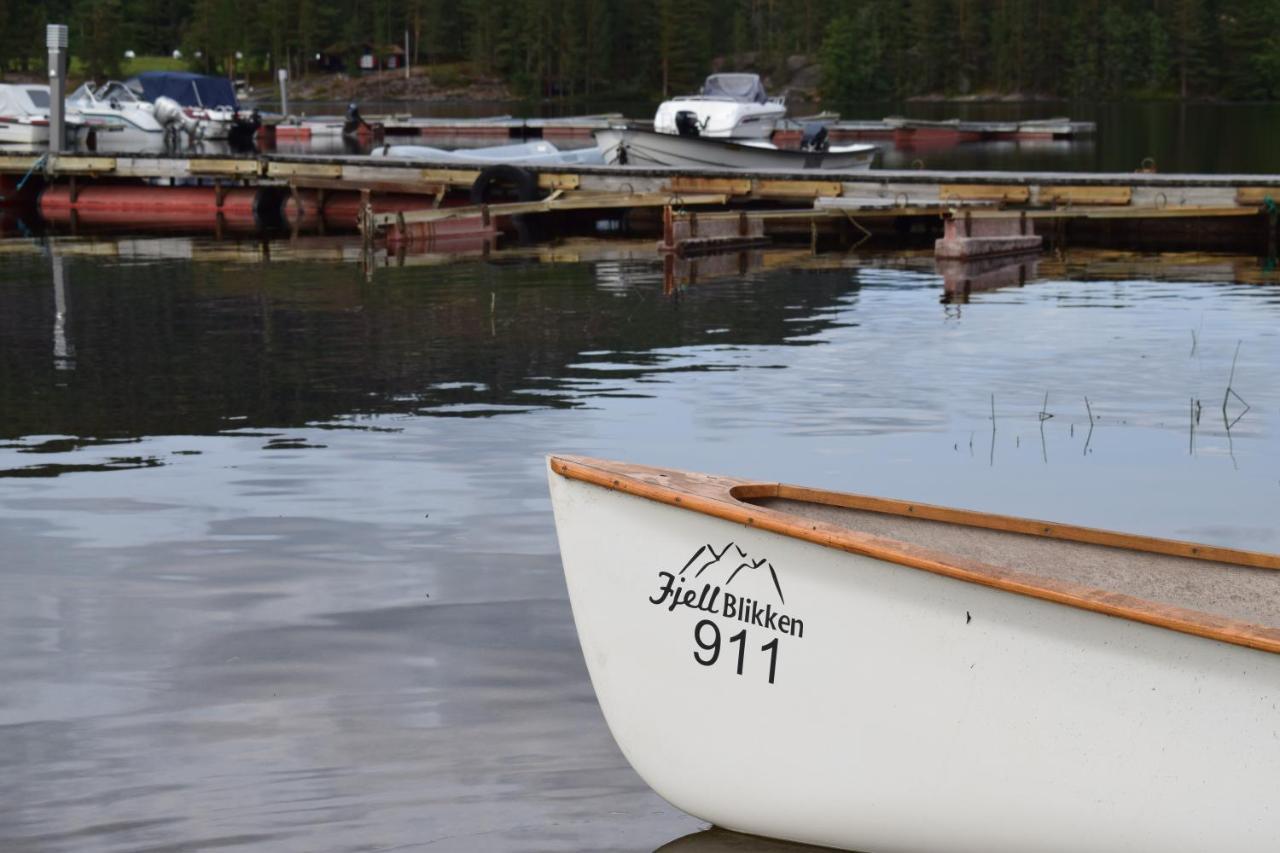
(38, 164)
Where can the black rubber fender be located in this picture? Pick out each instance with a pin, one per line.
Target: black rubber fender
(511, 179)
(521, 181)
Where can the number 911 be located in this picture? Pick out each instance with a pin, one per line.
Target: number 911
(706, 634)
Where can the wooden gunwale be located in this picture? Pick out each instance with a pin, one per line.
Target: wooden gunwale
(725, 498)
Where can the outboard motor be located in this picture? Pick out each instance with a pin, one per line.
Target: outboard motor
(243, 129)
(354, 121)
(813, 137)
(170, 114)
(687, 123)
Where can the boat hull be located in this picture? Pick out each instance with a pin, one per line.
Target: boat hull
(720, 119)
(14, 131)
(908, 710)
(645, 148)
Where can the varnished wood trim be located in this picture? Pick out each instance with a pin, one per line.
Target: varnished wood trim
(1027, 526)
(723, 498)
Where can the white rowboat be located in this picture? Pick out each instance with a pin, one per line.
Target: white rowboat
(887, 676)
(631, 147)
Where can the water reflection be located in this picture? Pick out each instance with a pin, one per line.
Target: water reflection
(715, 840)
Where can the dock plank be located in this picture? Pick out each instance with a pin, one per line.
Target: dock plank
(696, 184)
(1089, 194)
(278, 169)
(1004, 193)
(67, 164)
(770, 188)
(225, 167)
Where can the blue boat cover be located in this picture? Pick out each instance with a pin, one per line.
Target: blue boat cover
(190, 90)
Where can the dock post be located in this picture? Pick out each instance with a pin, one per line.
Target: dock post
(282, 74)
(56, 40)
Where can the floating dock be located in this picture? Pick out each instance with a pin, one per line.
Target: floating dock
(903, 132)
(396, 197)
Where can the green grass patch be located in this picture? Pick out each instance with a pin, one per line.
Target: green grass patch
(129, 67)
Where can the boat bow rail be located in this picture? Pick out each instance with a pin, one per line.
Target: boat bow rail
(747, 503)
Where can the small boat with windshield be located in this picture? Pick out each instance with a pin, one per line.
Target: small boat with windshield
(115, 109)
(729, 106)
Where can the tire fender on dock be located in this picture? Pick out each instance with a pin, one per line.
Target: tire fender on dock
(520, 181)
(512, 179)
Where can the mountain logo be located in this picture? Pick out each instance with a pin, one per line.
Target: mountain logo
(731, 583)
(731, 558)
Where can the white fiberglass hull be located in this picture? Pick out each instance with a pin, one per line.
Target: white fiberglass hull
(121, 126)
(646, 148)
(539, 153)
(868, 705)
(722, 119)
(23, 132)
(215, 128)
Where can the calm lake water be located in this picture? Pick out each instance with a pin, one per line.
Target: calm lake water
(277, 564)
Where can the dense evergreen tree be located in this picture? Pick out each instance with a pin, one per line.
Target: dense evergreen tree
(619, 48)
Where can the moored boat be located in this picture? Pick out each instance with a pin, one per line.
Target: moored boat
(633, 147)
(879, 675)
(729, 106)
(116, 114)
(24, 114)
(536, 153)
(208, 101)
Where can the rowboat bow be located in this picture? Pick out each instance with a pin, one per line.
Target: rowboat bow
(883, 675)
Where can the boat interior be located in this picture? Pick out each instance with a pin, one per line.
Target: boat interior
(1249, 593)
(1211, 591)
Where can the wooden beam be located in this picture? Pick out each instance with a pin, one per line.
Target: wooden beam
(405, 187)
(452, 177)
(277, 169)
(1001, 193)
(1085, 194)
(63, 164)
(226, 168)
(558, 181)
(766, 188)
(1257, 195)
(19, 163)
(574, 201)
(693, 184)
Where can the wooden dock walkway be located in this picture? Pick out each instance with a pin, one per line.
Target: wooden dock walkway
(423, 188)
(903, 131)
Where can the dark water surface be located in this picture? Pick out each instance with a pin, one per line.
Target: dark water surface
(277, 565)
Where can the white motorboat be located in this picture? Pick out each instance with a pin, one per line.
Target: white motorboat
(116, 114)
(730, 106)
(24, 114)
(208, 101)
(631, 147)
(887, 676)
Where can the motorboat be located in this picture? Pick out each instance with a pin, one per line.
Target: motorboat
(24, 114)
(729, 106)
(635, 147)
(209, 101)
(115, 113)
(538, 153)
(884, 675)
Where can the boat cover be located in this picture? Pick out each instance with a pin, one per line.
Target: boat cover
(17, 101)
(190, 90)
(746, 88)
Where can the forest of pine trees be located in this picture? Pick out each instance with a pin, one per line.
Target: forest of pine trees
(868, 49)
